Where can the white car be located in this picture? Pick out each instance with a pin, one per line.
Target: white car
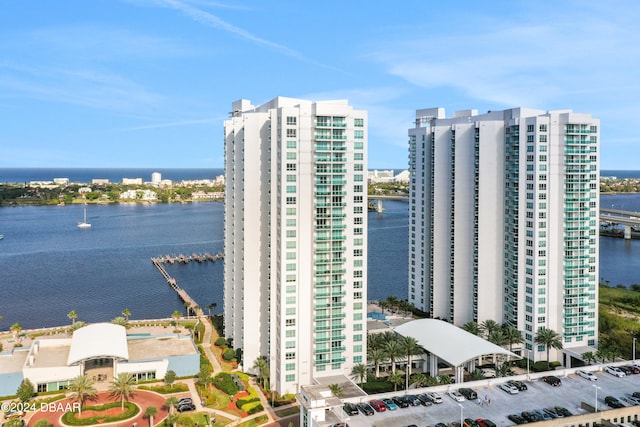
(614, 371)
(435, 397)
(587, 375)
(457, 396)
(509, 388)
(488, 372)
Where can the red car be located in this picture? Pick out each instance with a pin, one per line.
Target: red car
(378, 405)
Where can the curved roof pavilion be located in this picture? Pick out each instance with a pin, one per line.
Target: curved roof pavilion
(448, 342)
(100, 340)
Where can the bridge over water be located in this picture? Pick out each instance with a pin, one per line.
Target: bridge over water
(628, 219)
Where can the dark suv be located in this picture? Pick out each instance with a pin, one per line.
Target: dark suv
(552, 380)
(518, 384)
(613, 402)
(350, 409)
(468, 393)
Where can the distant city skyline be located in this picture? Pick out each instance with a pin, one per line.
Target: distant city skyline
(148, 83)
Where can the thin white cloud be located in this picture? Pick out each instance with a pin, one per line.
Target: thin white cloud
(178, 123)
(214, 21)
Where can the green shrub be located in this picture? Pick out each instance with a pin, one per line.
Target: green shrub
(245, 401)
(554, 365)
(253, 408)
(221, 341)
(131, 410)
(224, 382)
(540, 366)
(229, 354)
(165, 389)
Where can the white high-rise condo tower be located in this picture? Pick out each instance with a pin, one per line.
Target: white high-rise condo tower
(295, 238)
(504, 221)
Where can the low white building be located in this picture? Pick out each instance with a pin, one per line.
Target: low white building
(132, 181)
(147, 195)
(100, 351)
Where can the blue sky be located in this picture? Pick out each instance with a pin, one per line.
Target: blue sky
(148, 83)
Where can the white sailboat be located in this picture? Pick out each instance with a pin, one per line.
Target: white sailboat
(84, 223)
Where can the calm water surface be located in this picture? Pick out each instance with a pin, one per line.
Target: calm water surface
(49, 267)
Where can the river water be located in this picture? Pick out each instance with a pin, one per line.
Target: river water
(49, 267)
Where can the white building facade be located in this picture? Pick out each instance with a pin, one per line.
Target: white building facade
(504, 221)
(295, 286)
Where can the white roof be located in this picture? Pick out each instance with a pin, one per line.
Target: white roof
(450, 343)
(98, 340)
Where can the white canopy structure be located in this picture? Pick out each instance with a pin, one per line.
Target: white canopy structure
(450, 343)
(100, 340)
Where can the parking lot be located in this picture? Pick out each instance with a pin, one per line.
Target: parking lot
(573, 391)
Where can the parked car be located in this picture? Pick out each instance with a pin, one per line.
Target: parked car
(616, 372)
(389, 403)
(378, 405)
(552, 380)
(413, 400)
(587, 375)
(185, 401)
(457, 396)
(634, 369)
(485, 422)
(531, 417)
(517, 419)
(400, 401)
(562, 411)
(626, 370)
(542, 414)
(488, 372)
(186, 407)
(350, 409)
(631, 400)
(434, 397)
(468, 393)
(470, 422)
(613, 402)
(635, 394)
(509, 388)
(341, 425)
(440, 425)
(425, 399)
(365, 408)
(552, 413)
(518, 384)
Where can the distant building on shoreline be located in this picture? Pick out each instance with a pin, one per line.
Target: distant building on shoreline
(504, 222)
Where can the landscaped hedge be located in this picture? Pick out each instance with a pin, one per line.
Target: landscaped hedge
(246, 401)
(221, 341)
(224, 382)
(252, 408)
(166, 389)
(131, 410)
(229, 354)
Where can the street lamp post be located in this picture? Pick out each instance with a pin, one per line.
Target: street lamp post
(528, 357)
(461, 415)
(596, 405)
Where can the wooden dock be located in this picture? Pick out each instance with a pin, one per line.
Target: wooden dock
(185, 259)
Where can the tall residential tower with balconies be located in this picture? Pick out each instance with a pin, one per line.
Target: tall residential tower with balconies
(504, 221)
(295, 286)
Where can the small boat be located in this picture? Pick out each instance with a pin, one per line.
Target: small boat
(1, 236)
(84, 223)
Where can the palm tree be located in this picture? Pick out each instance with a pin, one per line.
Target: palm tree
(375, 356)
(214, 305)
(126, 313)
(16, 329)
(383, 305)
(122, 387)
(119, 321)
(73, 316)
(444, 379)
(359, 371)
(410, 346)
(477, 374)
(393, 349)
(374, 341)
(392, 301)
(82, 388)
(548, 338)
(497, 337)
(472, 328)
(420, 380)
(337, 390)
(172, 418)
(150, 412)
(602, 354)
(395, 379)
(261, 364)
(503, 370)
(171, 403)
(489, 326)
(512, 335)
(589, 357)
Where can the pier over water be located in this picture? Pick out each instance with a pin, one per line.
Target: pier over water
(159, 262)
